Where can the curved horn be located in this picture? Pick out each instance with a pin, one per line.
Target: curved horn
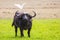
(34, 14)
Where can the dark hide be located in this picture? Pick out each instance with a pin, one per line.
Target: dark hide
(23, 21)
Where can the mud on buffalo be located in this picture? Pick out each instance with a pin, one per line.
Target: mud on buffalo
(23, 21)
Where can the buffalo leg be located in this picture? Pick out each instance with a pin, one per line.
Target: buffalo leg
(21, 31)
(29, 32)
(15, 31)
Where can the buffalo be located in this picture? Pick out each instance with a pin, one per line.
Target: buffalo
(23, 21)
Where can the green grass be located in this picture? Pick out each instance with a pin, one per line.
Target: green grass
(42, 29)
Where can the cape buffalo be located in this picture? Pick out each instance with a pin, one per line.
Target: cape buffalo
(23, 21)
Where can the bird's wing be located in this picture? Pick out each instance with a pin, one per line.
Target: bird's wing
(20, 6)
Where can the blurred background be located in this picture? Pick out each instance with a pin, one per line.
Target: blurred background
(43, 8)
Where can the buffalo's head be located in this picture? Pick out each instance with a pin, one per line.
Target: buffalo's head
(25, 16)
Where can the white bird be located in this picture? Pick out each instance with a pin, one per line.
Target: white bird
(20, 5)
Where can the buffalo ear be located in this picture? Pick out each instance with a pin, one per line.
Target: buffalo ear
(17, 13)
(29, 16)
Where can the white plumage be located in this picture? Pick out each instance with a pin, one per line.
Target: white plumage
(20, 5)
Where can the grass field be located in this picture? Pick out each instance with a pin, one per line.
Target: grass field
(42, 29)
